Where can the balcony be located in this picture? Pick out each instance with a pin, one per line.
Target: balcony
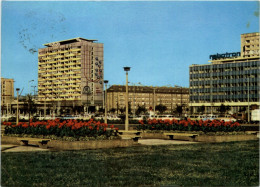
(78, 67)
(71, 81)
(75, 58)
(77, 94)
(76, 49)
(47, 83)
(75, 86)
(46, 92)
(65, 60)
(41, 71)
(46, 58)
(71, 54)
(59, 56)
(53, 53)
(76, 77)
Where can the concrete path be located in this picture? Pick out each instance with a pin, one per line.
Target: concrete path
(19, 148)
(162, 142)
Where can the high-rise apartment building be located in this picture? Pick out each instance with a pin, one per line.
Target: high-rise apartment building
(231, 79)
(147, 97)
(7, 93)
(70, 73)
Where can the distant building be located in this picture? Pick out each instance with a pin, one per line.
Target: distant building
(7, 94)
(70, 73)
(146, 96)
(230, 79)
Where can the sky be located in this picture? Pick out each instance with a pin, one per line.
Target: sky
(159, 40)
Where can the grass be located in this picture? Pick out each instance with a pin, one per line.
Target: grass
(212, 164)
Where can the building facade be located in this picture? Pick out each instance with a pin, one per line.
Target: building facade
(250, 45)
(70, 73)
(231, 79)
(7, 94)
(147, 97)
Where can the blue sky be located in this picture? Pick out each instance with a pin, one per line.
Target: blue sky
(158, 39)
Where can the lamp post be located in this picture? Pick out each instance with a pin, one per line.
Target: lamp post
(33, 90)
(248, 106)
(126, 69)
(17, 111)
(106, 81)
(29, 86)
(134, 85)
(154, 102)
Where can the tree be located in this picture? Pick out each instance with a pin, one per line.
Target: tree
(101, 110)
(161, 108)
(223, 109)
(140, 109)
(179, 109)
(92, 109)
(30, 105)
(129, 108)
(201, 109)
(112, 110)
(122, 110)
(242, 109)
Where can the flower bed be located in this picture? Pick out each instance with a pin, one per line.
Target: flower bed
(66, 129)
(189, 125)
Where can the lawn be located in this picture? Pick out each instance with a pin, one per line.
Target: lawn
(218, 164)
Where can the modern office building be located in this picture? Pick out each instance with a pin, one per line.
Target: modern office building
(231, 79)
(147, 97)
(70, 73)
(7, 94)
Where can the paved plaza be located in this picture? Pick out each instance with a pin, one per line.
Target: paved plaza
(20, 148)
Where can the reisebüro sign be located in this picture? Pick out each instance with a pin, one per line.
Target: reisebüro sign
(224, 55)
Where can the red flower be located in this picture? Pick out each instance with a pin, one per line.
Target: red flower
(25, 126)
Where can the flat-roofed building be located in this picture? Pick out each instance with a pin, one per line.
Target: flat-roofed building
(7, 94)
(147, 97)
(250, 45)
(70, 73)
(230, 79)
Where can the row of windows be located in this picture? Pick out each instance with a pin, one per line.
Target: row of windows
(225, 65)
(219, 74)
(223, 100)
(224, 97)
(222, 89)
(62, 50)
(224, 81)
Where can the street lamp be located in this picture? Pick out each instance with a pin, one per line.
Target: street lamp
(154, 102)
(106, 81)
(134, 85)
(33, 90)
(29, 86)
(248, 105)
(17, 111)
(126, 69)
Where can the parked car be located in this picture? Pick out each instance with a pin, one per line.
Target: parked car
(164, 117)
(208, 117)
(226, 118)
